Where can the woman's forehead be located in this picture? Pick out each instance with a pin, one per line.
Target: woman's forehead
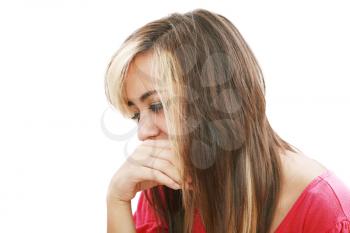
(139, 78)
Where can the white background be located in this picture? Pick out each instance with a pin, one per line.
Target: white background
(55, 159)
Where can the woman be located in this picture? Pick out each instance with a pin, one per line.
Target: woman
(209, 159)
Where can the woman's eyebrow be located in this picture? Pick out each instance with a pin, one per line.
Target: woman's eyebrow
(143, 97)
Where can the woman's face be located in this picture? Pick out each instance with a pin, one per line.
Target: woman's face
(144, 102)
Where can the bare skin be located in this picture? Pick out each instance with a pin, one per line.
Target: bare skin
(298, 171)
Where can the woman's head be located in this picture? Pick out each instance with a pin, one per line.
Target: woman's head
(212, 92)
(204, 75)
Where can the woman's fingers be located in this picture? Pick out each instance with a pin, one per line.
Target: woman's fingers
(161, 149)
(152, 163)
(163, 166)
(146, 173)
(157, 155)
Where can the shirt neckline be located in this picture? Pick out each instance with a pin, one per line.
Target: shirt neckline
(312, 183)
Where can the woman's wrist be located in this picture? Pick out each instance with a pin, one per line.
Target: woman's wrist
(113, 201)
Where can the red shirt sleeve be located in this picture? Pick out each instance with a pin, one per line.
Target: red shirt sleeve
(144, 216)
(146, 222)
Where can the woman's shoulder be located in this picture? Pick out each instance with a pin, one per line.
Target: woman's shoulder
(321, 200)
(324, 206)
(321, 185)
(328, 200)
(329, 190)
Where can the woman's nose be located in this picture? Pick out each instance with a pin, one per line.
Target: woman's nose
(147, 127)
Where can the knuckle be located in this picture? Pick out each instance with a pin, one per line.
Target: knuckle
(154, 174)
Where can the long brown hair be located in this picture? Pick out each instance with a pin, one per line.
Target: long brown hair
(214, 106)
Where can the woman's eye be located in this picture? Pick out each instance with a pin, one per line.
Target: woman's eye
(156, 107)
(153, 107)
(136, 116)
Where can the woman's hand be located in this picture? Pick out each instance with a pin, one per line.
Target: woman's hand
(152, 163)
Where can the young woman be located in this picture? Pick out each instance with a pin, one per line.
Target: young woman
(209, 159)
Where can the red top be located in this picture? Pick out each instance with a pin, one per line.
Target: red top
(323, 207)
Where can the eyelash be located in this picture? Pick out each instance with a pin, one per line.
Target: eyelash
(153, 107)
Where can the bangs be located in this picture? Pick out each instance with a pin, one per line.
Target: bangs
(117, 71)
(115, 76)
